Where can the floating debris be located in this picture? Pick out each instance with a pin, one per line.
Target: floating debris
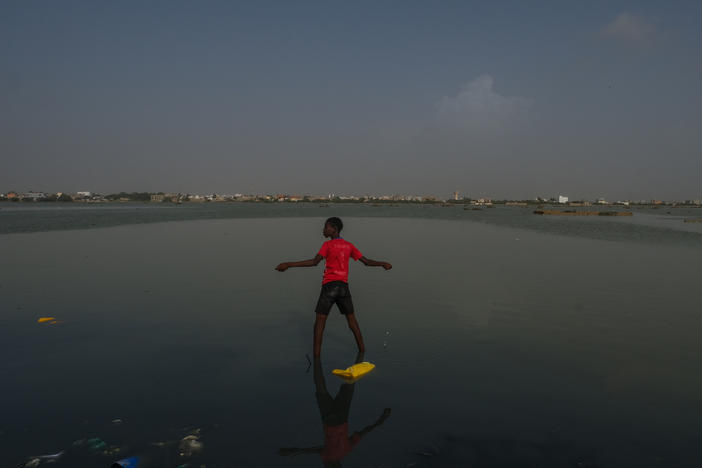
(162, 444)
(189, 445)
(130, 462)
(95, 444)
(35, 461)
(52, 456)
(431, 452)
(46, 319)
(111, 450)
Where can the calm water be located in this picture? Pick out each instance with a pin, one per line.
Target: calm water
(500, 338)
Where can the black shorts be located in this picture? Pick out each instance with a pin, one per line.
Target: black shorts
(335, 411)
(335, 292)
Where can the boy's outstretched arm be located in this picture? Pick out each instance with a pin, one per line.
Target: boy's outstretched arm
(369, 262)
(381, 420)
(305, 263)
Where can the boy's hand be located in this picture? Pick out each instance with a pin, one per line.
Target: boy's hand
(387, 266)
(282, 267)
(386, 414)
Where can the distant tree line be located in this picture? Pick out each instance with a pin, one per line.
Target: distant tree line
(49, 198)
(131, 196)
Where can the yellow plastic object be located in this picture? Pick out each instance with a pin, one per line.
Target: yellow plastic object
(354, 372)
(45, 319)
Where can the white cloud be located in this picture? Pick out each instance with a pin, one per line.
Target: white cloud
(477, 106)
(629, 27)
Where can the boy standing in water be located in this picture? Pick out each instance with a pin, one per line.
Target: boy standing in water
(335, 287)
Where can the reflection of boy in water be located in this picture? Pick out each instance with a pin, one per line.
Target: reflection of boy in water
(335, 415)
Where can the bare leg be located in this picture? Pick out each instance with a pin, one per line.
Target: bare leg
(319, 384)
(353, 325)
(359, 357)
(319, 323)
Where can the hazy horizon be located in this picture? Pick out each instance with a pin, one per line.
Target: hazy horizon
(507, 100)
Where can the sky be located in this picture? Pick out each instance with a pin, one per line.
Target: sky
(502, 99)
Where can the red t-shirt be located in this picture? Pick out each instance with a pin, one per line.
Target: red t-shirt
(337, 443)
(336, 253)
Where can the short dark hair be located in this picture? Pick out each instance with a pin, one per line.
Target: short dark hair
(335, 223)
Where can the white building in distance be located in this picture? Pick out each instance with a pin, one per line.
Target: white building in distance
(562, 199)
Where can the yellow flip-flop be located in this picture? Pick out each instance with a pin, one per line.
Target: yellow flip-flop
(354, 372)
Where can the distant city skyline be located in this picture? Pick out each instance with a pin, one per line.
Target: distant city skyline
(498, 99)
(159, 196)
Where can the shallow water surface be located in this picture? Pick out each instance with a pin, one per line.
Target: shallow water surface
(494, 345)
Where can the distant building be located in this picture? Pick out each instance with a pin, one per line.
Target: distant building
(84, 194)
(482, 201)
(455, 195)
(562, 199)
(34, 195)
(157, 197)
